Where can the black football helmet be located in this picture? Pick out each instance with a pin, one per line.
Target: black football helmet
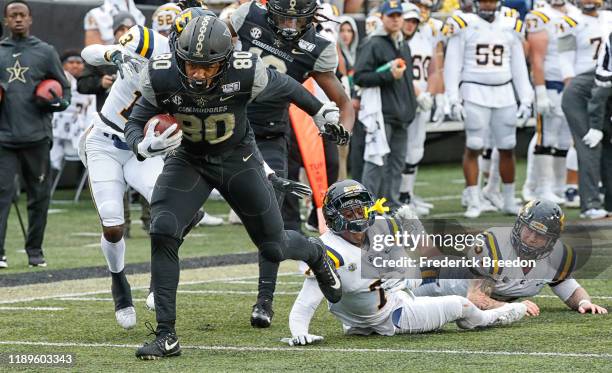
(290, 19)
(205, 41)
(487, 15)
(183, 18)
(348, 196)
(543, 217)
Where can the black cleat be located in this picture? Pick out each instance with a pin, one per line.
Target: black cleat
(262, 313)
(164, 345)
(37, 261)
(325, 272)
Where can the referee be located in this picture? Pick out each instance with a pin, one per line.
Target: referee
(600, 110)
(25, 124)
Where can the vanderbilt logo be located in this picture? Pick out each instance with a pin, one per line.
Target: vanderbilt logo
(200, 100)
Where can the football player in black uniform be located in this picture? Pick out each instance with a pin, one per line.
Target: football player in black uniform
(206, 86)
(283, 34)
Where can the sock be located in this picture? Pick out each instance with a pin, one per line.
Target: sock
(122, 293)
(268, 272)
(114, 254)
(473, 195)
(494, 177)
(560, 173)
(484, 164)
(165, 277)
(530, 177)
(508, 193)
(544, 168)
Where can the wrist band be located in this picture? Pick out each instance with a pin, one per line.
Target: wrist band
(583, 302)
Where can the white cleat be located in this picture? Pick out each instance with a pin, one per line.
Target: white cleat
(150, 302)
(464, 198)
(419, 210)
(126, 317)
(552, 197)
(210, 221)
(486, 206)
(528, 194)
(494, 197)
(509, 313)
(418, 201)
(594, 214)
(472, 212)
(511, 209)
(233, 218)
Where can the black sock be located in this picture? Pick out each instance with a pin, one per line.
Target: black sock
(268, 271)
(165, 277)
(120, 288)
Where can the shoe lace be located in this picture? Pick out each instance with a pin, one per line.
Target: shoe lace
(151, 329)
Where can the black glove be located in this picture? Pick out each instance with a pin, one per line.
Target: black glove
(55, 104)
(184, 4)
(289, 186)
(125, 63)
(336, 133)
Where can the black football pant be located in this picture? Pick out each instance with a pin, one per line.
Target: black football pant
(274, 151)
(291, 207)
(183, 187)
(35, 165)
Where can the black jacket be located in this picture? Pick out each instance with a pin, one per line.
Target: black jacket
(397, 96)
(24, 63)
(90, 82)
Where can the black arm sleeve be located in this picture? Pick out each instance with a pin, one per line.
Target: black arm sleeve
(283, 87)
(90, 82)
(134, 128)
(366, 65)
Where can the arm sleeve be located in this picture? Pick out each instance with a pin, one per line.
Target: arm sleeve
(328, 59)
(283, 87)
(238, 17)
(89, 83)
(452, 67)
(567, 54)
(520, 73)
(56, 71)
(603, 74)
(305, 307)
(565, 288)
(366, 65)
(95, 54)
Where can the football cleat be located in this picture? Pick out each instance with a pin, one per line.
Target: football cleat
(486, 206)
(37, 261)
(405, 198)
(421, 202)
(511, 209)
(494, 197)
(594, 214)
(150, 302)
(528, 193)
(164, 345)
(325, 272)
(210, 221)
(126, 317)
(509, 313)
(3, 262)
(262, 314)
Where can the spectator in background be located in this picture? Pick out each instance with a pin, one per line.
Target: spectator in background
(25, 125)
(163, 18)
(99, 22)
(69, 124)
(397, 98)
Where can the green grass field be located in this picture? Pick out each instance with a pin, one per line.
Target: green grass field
(214, 306)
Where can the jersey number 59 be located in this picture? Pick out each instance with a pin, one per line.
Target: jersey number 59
(487, 54)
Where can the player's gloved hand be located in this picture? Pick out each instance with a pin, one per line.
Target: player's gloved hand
(425, 101)
(592, 138)
(543, 103)
(394, 284)
(55, 104)
(523, 113)
(457, 112)
(302, 340)
(126, 64)
(184, 4)
(152, 145)
(289, 186)
(587, 307)
(327, 119)
(438, 115)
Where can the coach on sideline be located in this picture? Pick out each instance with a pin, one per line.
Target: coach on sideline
(25, 124)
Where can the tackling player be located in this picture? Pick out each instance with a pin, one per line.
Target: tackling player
(484, 60)
(373, 305)
(206, 86)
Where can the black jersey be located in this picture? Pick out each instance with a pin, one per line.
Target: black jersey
(312, 52)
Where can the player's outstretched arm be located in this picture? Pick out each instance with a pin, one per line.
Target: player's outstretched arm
(334, 91)
(302, 312)
(581, 302)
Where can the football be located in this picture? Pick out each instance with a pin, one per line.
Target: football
(47, 88)
(165, 121)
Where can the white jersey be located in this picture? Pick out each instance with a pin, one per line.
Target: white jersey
(70, 123)
(142, 43)
(550, 20)
(580, 41)
(512, 282)
(484, 60)
(422, 47)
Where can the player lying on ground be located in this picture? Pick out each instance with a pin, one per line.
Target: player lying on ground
(535, 235)
(375, 305)
(206, 86)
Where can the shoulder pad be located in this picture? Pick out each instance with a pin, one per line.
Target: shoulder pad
(140, 40)
(567, 264)
(454, 25)
(494, 252)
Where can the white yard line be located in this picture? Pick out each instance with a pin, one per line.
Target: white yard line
(32, 308)
(321, 349)
(277, 282)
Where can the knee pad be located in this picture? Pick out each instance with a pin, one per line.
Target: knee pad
(474, 142)
(542, 150)
(410, 168)
(272, 251)
(556, 152)
(507, 142)
(111, 213)
(165, 223)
